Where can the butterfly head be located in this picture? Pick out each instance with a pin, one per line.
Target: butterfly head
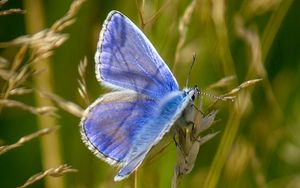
(196, 93)
(192, 93)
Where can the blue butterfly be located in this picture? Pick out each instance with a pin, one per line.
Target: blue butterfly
(122, 126)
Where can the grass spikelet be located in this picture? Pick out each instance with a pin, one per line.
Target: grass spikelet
(20, 91)
(242, 86)
(68, 106)
(45, 110)
(82, 89)
(222, 82)
(10, 11)
(182, 29)
(69, 17)
(27, 138)
(188, 142)
(53, 172)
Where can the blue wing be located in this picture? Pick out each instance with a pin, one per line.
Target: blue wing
(111, 124)
(152, 132)
(125, 59)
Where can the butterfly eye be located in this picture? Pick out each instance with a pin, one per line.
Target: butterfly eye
(193, 97)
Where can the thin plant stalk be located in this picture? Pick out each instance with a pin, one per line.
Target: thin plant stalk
(50, 146)
(223, 150)
(235, 117)
(53, 172)
(273, 27)
(182, 29)
(135, 178)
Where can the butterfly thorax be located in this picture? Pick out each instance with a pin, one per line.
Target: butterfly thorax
(188, 114)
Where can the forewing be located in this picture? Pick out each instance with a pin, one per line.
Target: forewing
(111, 123)
(125, 59)
(151, 133)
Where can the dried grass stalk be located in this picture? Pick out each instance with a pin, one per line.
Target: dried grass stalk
(20, 91)
(222, 82)
(44, 42)
(19, 58)
(182, 28)
(231, 95)
(254, 8)
(188, 143)
(69, 17)
(82, 89)
(12, 11)
(42, 45)
(14, 75)
(45, 110)
(16, 79)
(4, 75)
(242, 86)
(54, 172)
(68, 106)
(2, 2)
(153, 17)
(23, 140)
(3, 62)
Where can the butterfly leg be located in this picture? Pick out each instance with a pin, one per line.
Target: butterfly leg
(177, 143)
(191, 119)
(174, 138)
(194, 135)
(194, 131)
(198, 110)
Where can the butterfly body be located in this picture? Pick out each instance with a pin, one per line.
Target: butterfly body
(121, 127)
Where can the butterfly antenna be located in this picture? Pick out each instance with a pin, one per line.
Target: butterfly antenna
(222, 98)
(190, 70)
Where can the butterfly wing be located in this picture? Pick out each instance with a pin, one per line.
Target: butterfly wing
(152, 132)
(111, 124)
(126, 59)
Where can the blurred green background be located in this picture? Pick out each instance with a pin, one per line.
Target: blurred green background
(259, 142)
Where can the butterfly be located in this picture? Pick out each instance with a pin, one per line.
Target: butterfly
(122, 126)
